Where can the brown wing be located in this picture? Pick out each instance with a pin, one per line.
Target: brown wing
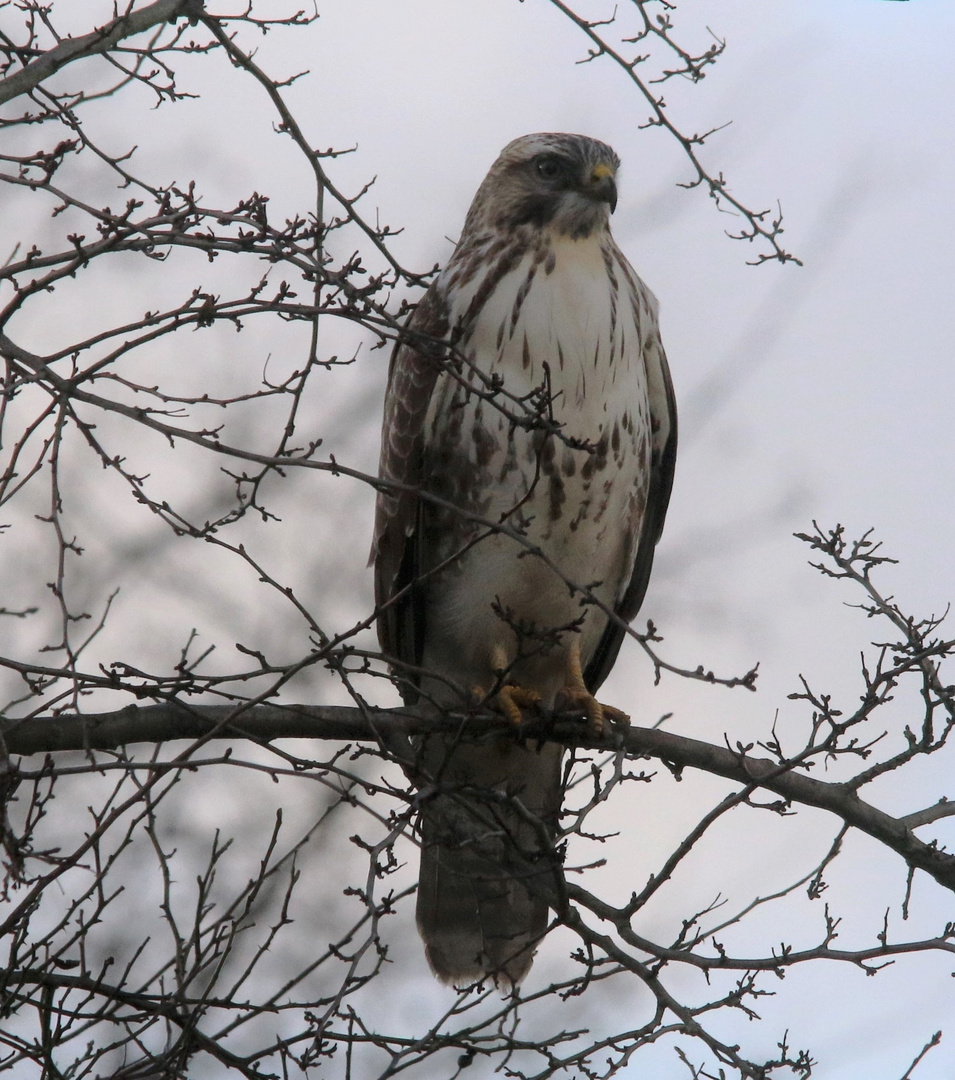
(663, 460)
(412, 374)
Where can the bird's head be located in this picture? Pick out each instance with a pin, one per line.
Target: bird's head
(565, 182)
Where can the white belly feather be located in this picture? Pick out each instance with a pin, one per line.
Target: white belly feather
(549, 319)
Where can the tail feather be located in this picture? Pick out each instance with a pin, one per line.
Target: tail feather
(485, 860)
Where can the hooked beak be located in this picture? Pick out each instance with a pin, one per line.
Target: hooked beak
(601, 186)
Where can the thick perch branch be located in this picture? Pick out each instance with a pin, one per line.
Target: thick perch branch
(173, 720)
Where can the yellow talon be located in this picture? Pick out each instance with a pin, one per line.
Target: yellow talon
(511, 699)
(576, 695)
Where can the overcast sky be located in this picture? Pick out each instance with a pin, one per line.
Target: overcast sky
(819, 392)
(823, 391)
(814, 392)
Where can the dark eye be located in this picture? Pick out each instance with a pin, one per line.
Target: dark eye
(549, 167)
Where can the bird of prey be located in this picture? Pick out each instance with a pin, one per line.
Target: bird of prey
(527, 457)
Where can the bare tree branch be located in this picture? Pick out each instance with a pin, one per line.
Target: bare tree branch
(210, 880)
(99, 41)
(267, 722)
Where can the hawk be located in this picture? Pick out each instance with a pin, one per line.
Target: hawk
(527, 457)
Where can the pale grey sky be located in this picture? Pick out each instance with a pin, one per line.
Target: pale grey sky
(816, 392)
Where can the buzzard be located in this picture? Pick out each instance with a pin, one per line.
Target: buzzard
(527, 457)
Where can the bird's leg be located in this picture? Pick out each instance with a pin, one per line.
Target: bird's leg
(510, 699)
(576, 694)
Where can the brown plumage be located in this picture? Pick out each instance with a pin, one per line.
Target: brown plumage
(530, 404)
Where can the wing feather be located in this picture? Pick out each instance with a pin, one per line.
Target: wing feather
(662, 463)
(415, 364)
